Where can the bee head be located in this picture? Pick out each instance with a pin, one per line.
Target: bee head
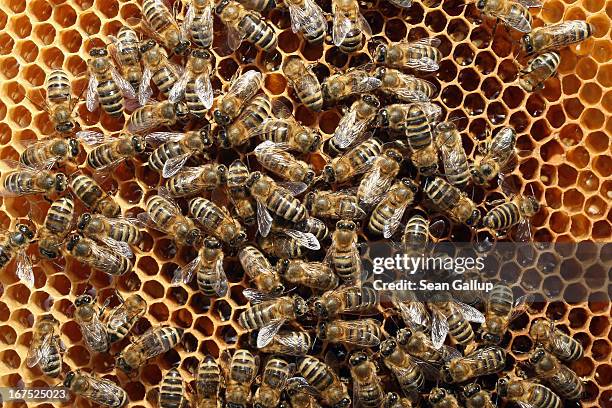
(253, 179)
(200, 54)
(98, 52)
(380, 54)
(25, 230)
(380, 72)
(309, 200)
(502, 386)
(123, 365)
(394, 155)
(147, 45)
(193, 237)
(69, 378)
(299, 306)
(221, 6)
(490, 338)
(481, 4)
(282, 266)
(358, 358)
(83, 300)
(388, 347)
(84, 221)
(182, 47)
(528, 44)
(346, 225)
(212, 243)
(239, 239)
(471, 390)
(181, 110)
(316, 142)
(537, 356)
(329, 174)
(222, 173)
(436, 395)
(412, 186)
(310, 175)
(139, 144)
(344, 403)
(221, 118)
(382, 118)
(320, 309)
(474, 218)
(391, 399)
(404, 335)
(64, 127)
(73, 144)
(74, 239)
(60, 182)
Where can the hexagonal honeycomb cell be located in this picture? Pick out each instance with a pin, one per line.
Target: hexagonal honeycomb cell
(566, 128)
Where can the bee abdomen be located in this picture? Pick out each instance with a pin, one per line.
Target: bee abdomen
(201, 37)
(172, 390)
(502, 217)
(164, 79)
(53, 364)
(125, 233)
(258, 32)
(164, 153)
(101, 156)
(58, 87)
(500, 300)
(60, 215)
(195, 106)
(442, 194)
(287, 207)
(460, 329)
(110, 97)
(543, 397)
(352, 42)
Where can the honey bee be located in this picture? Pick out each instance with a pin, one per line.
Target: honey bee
(99, 391)
(334, 205)
(281, 245)
(412, 310)
(13, 244)
(164, 215)
(556, 36)
(239, 194)
(45, 346)
(270, 196)
(416, 119)
(456, 168)
(194, 84)
(57, 225)
(419, 345)
(561, 379)
(116, 233)
(106, 86)
(513, 14)
(241, 371)
(199, 22)
(354, 162)
(247, 124)
(483, 361)
(157, 67)
(150, 116)
(110, 152)
(152, 343)
(59, 103)
(408, 374)
(194, 180)
(416, 234)
(518, 211)
(160, 24)
(300, 394)
(315, 227)
(98, 257)
(532, 77)
(123, 318)
(94, 198)
(304, 82)
(362, 333)
(316, 275)
(441, 398)
(241, 90)
(346, 299)
(452, 317)
(320, 376)
(208, 383)
(367, 387)
(419, 133)
(55, 151)
(496, 153)
(88, 317)
(25, 180)
(501, 310)
(404, 86)
(307, 18)
(344, 85)
(527, 393)
(274, 379)
(290, 343)
(343, 253)
(287, 132)
(277, 160)
(353, 124)
(566, 348)
(393, 400)
(421, 55)
(260, 271)
(269, 315)
(172, 390)
(125, 50)
(452, 202)
(176, 148)
(348, 26)
(388, 214)
(243, 24)
(217, 221)
(208, 267)
(476, 397)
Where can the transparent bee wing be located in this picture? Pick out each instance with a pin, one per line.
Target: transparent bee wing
(395, 220)
(430, 41)
(521, 305)
(350, 129)
(173, 165)
(144, 90)
(431, 110)
(453, 159)
(122, 248)
(530, 3)
(280, 110)
(423, 64)
(244, 86)
(91, 99)
(234, 38)
(365, 26)
(36, 354)
(373, 186)
(104, 392)
(220, 285)
(357, 326)
(204, 91)
(298, 17)
(163, 137)
(264, 220)
(188, 20)
(177, 92)
(451, 353)
(470, 313)
(124, 85)
(207, 19)
(305, 239)
(294, 187)
(414, 313)
(255, 296)
(147, 221)
(402, 3)
(90, 137)
(25, 272)
(185, 273)
(341, 26)
(308, 18)
(266, 334)
(522, 232)
(516, 21)
(94, 334)
(117, 317)
(439, 329)
(104, 259)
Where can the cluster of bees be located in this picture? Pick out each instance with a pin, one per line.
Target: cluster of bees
(383, 156)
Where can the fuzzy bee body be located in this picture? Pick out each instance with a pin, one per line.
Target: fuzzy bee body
(56, 227)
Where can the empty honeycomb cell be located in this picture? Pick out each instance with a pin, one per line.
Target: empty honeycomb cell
(480, 37)
(474, 104)
(182, 318)
(204, 325)
(275, 83)
(395, 30)
(553, 12)
(53, 57)
(588, 181)
(15, 92)
(4, 312)
(6, 43)
(553, 197)
(159, 311)
(328, 122)
(595, 206)
(154, 289)
(71, 40)
(604, 75)
(601, 24)
(43, 300)
(573, 199)
(20, 116)
(447, 71)
(603, 165)
(436, 21)
(578, 156)
(513, 96)
(602, 51)
(8, 335)
(555, 116)
(600, 350)
(10, 359)
(9, 67)
(590, 93)
(463, 54)
(288, 41)
(40, 9)
(573, 107)
(451, 96)
(64, 15)
(148, 265)
(535, 105)
(551, 152)
(599, 325)
(580, 225)
(78, 355)
(586, 68)
(485, 62)
(20, 25)
(570, 84)
(44, 33)
(469, 79)
(496, 112)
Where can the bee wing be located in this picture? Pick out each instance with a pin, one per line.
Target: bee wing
(413, 313)
(147, 221)
(521, 305)
(25, 272)
(117, 317)
(341, 26)
(220, 285)
(163, 137)
(453, 159)
(94, 333)
(431, 110)
(177, 92)
(470, 313)
(266, 334)
(364, 83)
(406, 93)
(104, 259)
(234, 38)
(91, 99)
(293, 187)
(429, 41)
(185, 273)
(439, 329)
(243, 87)
(35, 354)
(522, 232)
(122, 248)
(307, 18)
(255, 296)
(373, 186)
(144, 90)
(124, 85)
(204, 90)
(173, 165)
(349, 129)
(423, 64)
(357, 326)
(305, 239)
(103, 391)
(264, 220)
(516, 20)
(91, 138)
(365, 26)
(530, 3)
(394, 221)
(188, 20)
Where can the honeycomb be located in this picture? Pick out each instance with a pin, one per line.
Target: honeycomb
(566, 128)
